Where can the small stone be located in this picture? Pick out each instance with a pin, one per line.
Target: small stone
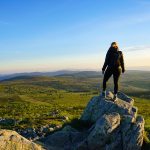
(51, 129)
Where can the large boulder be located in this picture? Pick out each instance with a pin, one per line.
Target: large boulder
(98, 106)
(11, 140)
(101, 133)
(114, 126)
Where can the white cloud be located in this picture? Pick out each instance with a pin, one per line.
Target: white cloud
(137, 48)
(137, 56)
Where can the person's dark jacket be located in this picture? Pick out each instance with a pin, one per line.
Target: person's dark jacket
(110, 61)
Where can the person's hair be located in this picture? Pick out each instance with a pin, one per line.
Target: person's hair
(114, 44)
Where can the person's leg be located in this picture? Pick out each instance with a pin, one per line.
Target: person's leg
(116, 75)
(107, 75)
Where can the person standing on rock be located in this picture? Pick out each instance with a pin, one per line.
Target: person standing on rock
(113, 65)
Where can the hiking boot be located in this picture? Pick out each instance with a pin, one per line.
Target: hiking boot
(115, 98)
(103, 94)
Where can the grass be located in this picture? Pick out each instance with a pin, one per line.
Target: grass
(143, 109)
(38, 101)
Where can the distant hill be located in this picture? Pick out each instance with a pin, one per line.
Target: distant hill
(18, 78)
(132, 82)
(86, 74)
(30, 74)
(69, 73)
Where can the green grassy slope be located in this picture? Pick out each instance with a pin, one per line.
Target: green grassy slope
(33, 101)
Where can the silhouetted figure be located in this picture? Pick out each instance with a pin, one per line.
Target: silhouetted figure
(113, 65)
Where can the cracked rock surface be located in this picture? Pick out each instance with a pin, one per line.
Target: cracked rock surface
(115, 126)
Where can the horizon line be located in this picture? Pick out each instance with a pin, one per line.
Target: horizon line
(138, 68)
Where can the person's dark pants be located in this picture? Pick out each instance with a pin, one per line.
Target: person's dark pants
(116, 72)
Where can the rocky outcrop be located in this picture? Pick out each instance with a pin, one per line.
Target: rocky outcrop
(11, 140)
(99, 106)
(115, 126)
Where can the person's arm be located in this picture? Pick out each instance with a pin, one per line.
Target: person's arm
(122, 62)
(106, 61)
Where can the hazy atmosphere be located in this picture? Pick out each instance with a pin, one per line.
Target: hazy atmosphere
(72, 34)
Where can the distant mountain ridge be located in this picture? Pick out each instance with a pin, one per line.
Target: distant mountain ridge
(82, 74)
(61, 73)
(31, 74)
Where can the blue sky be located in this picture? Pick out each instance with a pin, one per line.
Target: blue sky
(46, 35)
